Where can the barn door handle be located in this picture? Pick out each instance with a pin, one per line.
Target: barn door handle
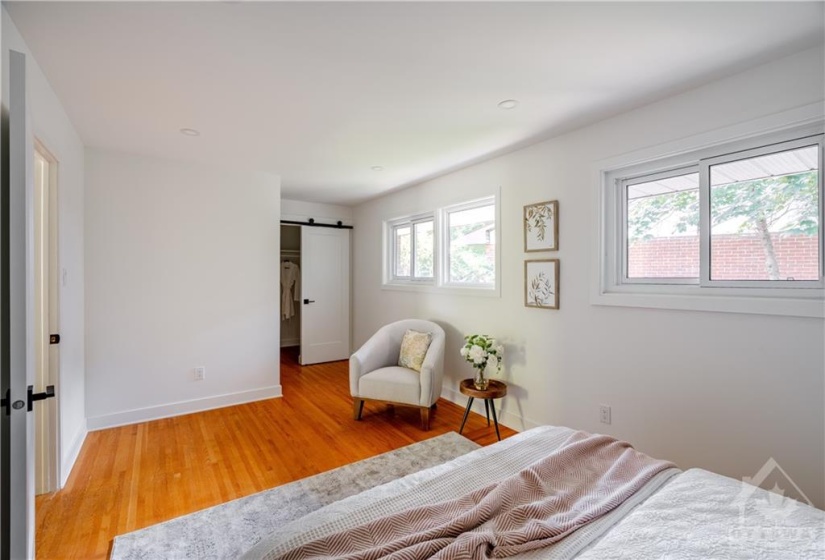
(308, 301)
(47, 394)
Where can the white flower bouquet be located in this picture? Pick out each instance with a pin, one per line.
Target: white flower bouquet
(483, 352)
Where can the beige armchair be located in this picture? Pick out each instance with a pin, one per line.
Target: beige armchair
(374, 373)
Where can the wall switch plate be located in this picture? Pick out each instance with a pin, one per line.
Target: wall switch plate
(200, 373)
(604, 414)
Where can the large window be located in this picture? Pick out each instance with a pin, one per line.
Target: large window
(739, 220)
(451, 248)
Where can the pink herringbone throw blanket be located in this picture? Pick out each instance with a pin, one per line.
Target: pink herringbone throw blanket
(585, 478)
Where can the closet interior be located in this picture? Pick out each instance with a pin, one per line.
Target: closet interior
(290, 285)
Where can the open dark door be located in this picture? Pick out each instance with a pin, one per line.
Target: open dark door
(16, 489)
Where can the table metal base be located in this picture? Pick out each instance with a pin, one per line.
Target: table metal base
(488, 406)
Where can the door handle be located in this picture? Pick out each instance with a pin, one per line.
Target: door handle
(47, 394)
(7, 403)
(308, 301)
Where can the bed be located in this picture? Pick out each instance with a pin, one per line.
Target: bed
(663, 513)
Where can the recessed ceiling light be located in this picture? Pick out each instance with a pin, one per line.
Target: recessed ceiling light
(377, 168)
(190, 132)
(508, 104)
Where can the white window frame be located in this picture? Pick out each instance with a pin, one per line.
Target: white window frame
(440, 283)
(444, 244)
(390, 236)
(610, 284)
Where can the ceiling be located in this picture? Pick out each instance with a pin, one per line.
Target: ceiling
(320, 93)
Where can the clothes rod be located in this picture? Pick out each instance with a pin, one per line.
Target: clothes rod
(313, 223)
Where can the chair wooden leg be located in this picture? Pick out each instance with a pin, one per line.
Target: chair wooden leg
(357, 408)
(425, 419)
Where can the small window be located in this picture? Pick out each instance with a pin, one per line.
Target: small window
(452, 249)
(470, 243)
(764, 217)
(412, 248)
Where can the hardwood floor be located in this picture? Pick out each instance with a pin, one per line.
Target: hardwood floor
(131, 477)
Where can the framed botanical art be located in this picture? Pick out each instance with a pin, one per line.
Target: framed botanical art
(541, 283)
(541, 226)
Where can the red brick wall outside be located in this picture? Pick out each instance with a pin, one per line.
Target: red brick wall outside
(733, 257)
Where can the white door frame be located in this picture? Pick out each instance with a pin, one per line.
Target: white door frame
(291, 328)
(46, 302)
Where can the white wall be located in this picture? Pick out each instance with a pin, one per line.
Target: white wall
(300, 211)
(51, 125)
(721, 391)
(182, 270)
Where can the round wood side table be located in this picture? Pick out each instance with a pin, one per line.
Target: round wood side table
(495, 390)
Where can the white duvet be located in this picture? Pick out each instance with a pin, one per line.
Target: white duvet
(702, 515)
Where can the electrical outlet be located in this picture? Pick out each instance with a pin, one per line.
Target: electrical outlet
(604, 414)
(200, 373)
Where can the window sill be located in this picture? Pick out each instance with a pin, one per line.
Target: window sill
(433, 289)
(800, 303)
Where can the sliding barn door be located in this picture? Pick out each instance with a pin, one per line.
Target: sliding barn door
(325, 291)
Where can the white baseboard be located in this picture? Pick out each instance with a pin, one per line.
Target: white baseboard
(182, 407)
(72, 452)
(505, 416)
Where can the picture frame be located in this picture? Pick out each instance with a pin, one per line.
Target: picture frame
(541, 283)
(541, 226)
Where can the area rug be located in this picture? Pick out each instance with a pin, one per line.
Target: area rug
(228, 530)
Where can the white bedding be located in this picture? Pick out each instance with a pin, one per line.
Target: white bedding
(701, 515)
(690, 515)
